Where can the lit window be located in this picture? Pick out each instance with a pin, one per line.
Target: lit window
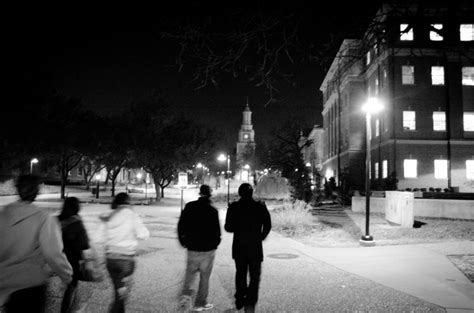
(468, 76)
(376, 86)
(377, 127)
(368, 58)
(437, 75)
(409, 120)
(410, 168)
(384, 169)
(470, 169)
(467, 32)
(408, 74)
(441, 169)
(406, 33)
(329, 173)
(376, 169)
(469, 121)
(439, 121)
(79, 171)
(435, 34)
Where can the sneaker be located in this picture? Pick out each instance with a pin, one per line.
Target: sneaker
(185, 303)
(205, 307)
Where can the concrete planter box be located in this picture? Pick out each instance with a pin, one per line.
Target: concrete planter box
(439, 208)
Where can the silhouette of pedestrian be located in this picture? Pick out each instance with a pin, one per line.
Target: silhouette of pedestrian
(250, 222)
(199, 232)
(30, 239)
(75, 240)
(120, 231)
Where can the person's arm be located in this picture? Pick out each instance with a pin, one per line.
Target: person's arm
(182, 226)
(217, 229)
(82, 238)
(230, 220)
(140, 230)
(52, 248)
(267, 222)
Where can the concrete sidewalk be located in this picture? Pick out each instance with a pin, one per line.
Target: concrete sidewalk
(295, 277)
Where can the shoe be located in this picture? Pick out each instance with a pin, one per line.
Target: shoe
(185, 303)
(205, 307)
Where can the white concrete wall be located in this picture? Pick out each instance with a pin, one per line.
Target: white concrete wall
(445, 208)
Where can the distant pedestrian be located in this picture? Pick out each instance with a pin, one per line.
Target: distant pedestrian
(30, 239)
(199, 232)
(250, 222)
(75, 240)
(120, 231)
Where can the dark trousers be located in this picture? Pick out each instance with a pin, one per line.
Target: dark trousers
(120, 271)
(31, 300)
(69, 297)
(247, 294)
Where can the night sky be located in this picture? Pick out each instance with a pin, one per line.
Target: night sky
(111, 56)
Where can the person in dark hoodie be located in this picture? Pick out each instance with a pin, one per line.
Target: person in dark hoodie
(75, 240)
(30, 239)
(250, 222)
(199, 232)
(120, 231)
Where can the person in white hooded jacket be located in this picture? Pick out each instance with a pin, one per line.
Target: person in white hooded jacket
(120, 231)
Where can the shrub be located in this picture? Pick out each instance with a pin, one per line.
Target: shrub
(293, 218)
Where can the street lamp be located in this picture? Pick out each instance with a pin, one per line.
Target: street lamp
(33, 161)
(370, 107)
(97, 178)
(222, 158)
(200, 166)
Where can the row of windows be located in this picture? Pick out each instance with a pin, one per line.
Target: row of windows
(466, 32)
(437, 75)
(439, 121)
(410, 169)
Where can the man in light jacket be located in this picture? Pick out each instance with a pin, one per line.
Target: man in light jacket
(30, 239)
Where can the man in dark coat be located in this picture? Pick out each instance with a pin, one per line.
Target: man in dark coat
(199, 231)
(250, 222)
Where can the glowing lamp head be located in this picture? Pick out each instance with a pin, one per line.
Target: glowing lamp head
(373, 105)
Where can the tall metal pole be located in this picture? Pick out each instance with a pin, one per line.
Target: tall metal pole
(228, 177)
(368, 136)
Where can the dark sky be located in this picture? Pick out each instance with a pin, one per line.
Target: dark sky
(111, 56)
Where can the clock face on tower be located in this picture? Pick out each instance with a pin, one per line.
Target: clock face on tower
(246, 136)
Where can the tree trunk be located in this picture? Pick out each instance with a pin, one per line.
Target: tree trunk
(158, 192)
(162, 191)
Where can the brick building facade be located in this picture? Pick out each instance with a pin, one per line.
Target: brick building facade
(419, 62)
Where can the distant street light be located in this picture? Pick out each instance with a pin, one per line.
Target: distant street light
(33, 161)
(200, 166)
(222, 158)
(97, 178)
(372, 106)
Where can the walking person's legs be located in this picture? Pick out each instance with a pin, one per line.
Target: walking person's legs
(192, 267)
(69, 297)
(205, 270)
(241, 269)
(255, 269)
(120, 270)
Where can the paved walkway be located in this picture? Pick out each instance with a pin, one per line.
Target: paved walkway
(296, 277)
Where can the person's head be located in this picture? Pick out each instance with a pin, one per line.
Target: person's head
(70, 208)
(28, 187)
(205, 191)
(246, 191)
(120, 199)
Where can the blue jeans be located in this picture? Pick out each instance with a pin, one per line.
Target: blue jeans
(120, 269)
(202, 262)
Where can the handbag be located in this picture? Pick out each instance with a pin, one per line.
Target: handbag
(90, 268)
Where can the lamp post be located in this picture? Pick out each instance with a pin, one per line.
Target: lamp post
(97, 179)
(201, 167)
(222, 158)
(370, 107)
(33, 161)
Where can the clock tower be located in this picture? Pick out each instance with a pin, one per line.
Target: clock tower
(246, 142)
